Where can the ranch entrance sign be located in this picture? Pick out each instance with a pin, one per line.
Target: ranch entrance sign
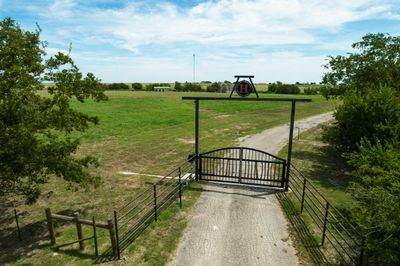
(243, 87)
(239, 164)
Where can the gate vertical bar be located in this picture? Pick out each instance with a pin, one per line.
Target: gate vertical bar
(196, 102)
(289, 156)
(240, 164)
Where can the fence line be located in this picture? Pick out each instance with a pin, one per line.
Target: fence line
(341, 240)
(133, 217)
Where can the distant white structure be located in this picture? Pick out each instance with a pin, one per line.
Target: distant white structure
(161, 88)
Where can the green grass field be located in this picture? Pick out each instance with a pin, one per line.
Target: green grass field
(145, 132)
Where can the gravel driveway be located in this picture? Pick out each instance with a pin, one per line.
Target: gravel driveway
(238, 225)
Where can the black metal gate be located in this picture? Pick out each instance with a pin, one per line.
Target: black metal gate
(242, 165)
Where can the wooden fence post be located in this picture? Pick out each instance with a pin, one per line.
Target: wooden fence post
(112, 237)
(96, 249)
(79, 231)
(50, 226)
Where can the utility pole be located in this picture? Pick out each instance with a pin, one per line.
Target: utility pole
(194, 68)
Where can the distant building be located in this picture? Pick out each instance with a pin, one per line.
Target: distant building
(159, 88)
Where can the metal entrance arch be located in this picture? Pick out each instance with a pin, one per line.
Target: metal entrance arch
(197, 156)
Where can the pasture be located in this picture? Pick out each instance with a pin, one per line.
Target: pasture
(143, 132)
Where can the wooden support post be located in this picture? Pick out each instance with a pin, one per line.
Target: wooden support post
(50, 225)
(79, 231)
(96, 248)
(112, 237)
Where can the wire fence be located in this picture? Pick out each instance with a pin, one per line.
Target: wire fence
(132, 218)
(341, 242)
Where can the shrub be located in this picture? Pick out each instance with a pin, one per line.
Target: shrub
(372, 116)
(377, 190)
(192, 87)
(115, 86)
(178, 86)
(281, 88)
(137, 86)
(215, 87)
(311, 91)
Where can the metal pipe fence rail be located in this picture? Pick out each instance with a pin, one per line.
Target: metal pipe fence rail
(132, 218)
(341, 241)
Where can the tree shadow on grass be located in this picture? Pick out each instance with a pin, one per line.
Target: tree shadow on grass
(329, 169)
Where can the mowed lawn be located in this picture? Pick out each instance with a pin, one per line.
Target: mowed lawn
(144, 132)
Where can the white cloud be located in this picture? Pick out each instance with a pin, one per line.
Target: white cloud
(225, 22)
(61, 9)
(230, 36)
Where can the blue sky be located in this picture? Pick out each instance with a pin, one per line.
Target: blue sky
(153, 41)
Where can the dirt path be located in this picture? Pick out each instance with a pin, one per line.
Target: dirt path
(235, 225)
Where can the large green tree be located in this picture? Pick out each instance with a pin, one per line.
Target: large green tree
(374, 62)
(367, 132)
(35, 127)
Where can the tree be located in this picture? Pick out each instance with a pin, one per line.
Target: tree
(367, 132)
(376, 62)
(377, 190)
(137, 86)
(372, 116)
(214, 87)
(35, 135)
(281, 88)
(178, 86)
(115, 86)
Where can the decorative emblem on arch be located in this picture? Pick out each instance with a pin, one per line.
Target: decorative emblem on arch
(243, 87)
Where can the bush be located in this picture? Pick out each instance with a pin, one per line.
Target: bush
(281, 88)
(377, 190)
(215, 87)
(178, 86)
(192, 87)
(311, 91)
(137, 86)
(372, 116)
(115, 86)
